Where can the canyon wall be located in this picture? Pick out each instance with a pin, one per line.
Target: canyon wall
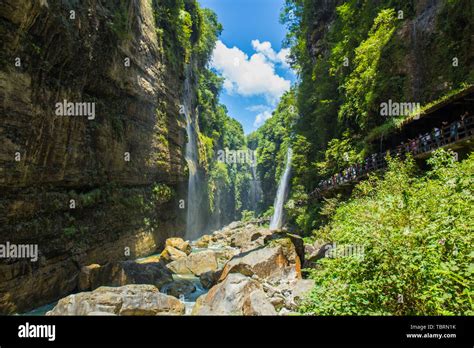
(85, 189)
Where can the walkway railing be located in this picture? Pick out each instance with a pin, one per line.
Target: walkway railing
(422, 145)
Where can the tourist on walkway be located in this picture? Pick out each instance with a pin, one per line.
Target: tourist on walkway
(454, 135)
(437, 136)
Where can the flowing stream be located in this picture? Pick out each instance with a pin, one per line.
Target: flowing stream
(277, 219)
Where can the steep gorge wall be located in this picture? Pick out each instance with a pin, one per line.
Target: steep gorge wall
(119, 204)
(429, 54)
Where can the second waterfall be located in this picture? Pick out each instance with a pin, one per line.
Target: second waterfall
(194, 223)
(283, 188)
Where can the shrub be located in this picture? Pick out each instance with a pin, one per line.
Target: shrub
(417, 237)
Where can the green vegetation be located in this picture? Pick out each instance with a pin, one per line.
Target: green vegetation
(228, 183)
(120, 24)
(272, 141)
(361, 58)
(417, 237)
(162, 193)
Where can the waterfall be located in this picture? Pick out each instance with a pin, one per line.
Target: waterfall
(277, 219)
(194, 218)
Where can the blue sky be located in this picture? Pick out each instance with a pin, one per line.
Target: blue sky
(250, 57)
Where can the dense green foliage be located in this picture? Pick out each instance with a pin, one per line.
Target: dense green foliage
(417, 237)
(352, 55)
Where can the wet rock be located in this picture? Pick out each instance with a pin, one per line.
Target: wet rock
(59, 164)
(210, 278)
(179, 287)
(277, 302)
(180, 244)
(236, 295)
(125, 300)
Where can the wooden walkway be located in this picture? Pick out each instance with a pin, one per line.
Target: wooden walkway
(452, 136)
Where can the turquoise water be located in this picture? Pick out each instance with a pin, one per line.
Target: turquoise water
(40, 311)
(190, 299)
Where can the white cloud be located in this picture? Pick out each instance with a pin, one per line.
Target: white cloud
(251, 76)
(261, 118)
(266, 49)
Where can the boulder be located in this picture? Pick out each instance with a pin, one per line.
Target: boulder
(195, 263)
(123, 273)
(249, 238)
(84, 282)
(170, 254)
(296, 240)
(236, 295)
(290, 251)
(125, 300)
(202, 242)
(300, 289)
(265, 263)
(224, 255)
(210, 278)
(316, 252)
(179, 267)
(202, 262)
(180, 244)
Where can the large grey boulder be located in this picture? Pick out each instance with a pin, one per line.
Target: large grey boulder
(125, 300)
(265, 263)
(195, 263)
(236, 295)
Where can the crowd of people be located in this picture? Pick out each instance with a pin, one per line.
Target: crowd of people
(438, 137)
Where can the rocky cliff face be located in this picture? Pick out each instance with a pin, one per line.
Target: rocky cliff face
(85, 189)
(430, 53)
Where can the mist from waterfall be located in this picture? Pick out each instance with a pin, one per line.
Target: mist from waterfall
(277, 219)
(255, 188)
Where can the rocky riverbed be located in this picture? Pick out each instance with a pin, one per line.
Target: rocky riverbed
(242, 269)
